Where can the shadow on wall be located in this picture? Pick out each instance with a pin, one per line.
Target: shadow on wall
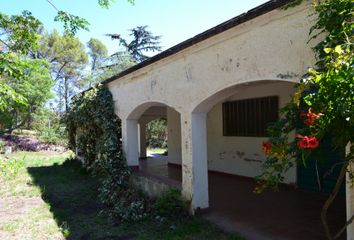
(73, 198)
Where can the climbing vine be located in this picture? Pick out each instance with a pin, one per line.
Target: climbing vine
(323, 105)
(95, 130)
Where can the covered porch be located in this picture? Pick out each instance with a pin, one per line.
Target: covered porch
(289, 213)
(218, 92)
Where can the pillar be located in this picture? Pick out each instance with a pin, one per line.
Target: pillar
(194, 160)
(142, 139)
(174, 136)
(130, 141)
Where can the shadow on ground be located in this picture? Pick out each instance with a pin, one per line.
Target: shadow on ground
(72, 196)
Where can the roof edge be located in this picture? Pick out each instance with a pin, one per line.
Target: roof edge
(242, 18)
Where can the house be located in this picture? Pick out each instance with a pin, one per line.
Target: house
(218, 90)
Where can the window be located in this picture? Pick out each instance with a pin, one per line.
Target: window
(249, 117)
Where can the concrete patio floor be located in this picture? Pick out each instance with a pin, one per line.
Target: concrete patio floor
(287, 214)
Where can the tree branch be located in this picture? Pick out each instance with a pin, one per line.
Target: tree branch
(330, 200)
(52, 4)
(17, 126)
(7, 45)
(340, 232)
(59, 71)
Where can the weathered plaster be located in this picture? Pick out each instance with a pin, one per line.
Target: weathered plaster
(266, 48)
(174, 136)
(243, 155)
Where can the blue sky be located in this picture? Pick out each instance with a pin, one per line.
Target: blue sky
(174, 20)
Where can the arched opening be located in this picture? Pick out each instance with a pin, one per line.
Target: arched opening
(235, 120)
(156, 138)
(167, 162)
(153, 132)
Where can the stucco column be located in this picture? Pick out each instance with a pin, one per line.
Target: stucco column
(130, 141)
(174, 136)
(349, 200)
(142, 139)
(194, 160)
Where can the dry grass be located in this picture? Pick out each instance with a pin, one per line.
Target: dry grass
(23, 213)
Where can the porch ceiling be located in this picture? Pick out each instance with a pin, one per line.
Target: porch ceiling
(156, 111)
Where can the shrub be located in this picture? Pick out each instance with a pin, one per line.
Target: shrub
(28, 144)
(131, 206)
(170, 204)
(51, 135)
(95, 129)
(22, 143)
(49, 127)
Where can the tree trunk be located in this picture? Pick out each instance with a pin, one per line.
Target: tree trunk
(18, 125)
(332, 196)
(66, 94)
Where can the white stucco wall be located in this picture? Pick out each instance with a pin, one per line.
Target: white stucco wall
(272, 47)
(242, 155)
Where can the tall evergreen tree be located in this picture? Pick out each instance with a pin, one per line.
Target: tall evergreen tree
(97, 52)
(68, 58)
(143, 41)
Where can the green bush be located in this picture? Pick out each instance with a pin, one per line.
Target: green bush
(52, 135)
(95, 129)
(170, 204)
(131, 207)
(48, 127)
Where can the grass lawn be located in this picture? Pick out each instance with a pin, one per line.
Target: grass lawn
(45, 197)
(156, 150)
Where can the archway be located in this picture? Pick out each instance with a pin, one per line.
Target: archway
(235, 157)
(135, 137)
(238, 116)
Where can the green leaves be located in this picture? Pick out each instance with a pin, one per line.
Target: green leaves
(8, 96)
(92, 122)
(105, 3)
(29, 92)
(108, 3)
(19, 32)
(68, 59)
(71, 22)
(327, 89)
(18, 38)
(98, 53)
(143, 41)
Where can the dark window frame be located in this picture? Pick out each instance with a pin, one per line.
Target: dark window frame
(249, 117)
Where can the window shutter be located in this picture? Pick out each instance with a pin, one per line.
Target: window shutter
(249, 117)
